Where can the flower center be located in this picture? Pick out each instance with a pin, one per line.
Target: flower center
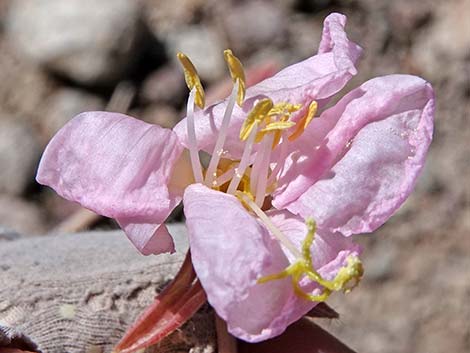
(252, 178)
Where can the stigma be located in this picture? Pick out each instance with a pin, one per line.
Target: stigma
(346, 278)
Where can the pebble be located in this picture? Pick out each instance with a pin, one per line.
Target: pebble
(203, 46)
(163, 16)
(87, 41)
(21, 216)
(165, 85)
(255, 24)
(380, 261)
(24, 86)
(63, 105)
(447, 41)
(19, 156)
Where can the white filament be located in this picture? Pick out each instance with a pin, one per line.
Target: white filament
(280, 161)
(244, 162)
(219, 145)
(271, 226)
(262, 181)
(192, 142)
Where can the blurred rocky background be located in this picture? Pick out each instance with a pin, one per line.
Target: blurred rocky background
(59, 58)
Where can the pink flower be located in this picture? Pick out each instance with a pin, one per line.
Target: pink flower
(270, 218)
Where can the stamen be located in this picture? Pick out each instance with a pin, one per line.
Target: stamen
(256, 115)
(192, 142)
(276, 128)
(256, 168)
(192, 79)
(216, 154)
(262, 181)
(244, 162)
(225, 177)
(269, 224)
(284, 109)
(278, 125)
(237, 74)
(305, 121)
(280, 161)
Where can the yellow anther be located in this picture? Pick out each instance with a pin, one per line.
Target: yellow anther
(256, 115)
(192, 79)
(237, 74)
(284, 109)
(276, 128)
(346, 279)
(305, 121)
(278, 125)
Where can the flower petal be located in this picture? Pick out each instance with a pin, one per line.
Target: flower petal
(368, 161)
(114, 165)
(148, 238)
(119, 167)
(318, 77)
(231, 250)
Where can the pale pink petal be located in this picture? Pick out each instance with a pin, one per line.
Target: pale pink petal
(119, 167)
(369, 159)
(114, 165)
(335, 40)
(148, 238)
(316, 78)
(231, 249)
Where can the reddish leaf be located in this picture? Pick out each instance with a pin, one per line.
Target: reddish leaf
(175, 305)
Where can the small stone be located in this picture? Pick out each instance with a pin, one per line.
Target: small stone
(203, 46)
(445, 42)
(255, 24)
(165, 85)
(67, 311)
(163, 16)
(21, 216)
(304, 32)
(87, 41)
(405, 19)
(24, 86)
(19, 156)
(379, 261)
(63, 105)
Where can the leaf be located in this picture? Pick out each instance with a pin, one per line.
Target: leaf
(175, 305)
